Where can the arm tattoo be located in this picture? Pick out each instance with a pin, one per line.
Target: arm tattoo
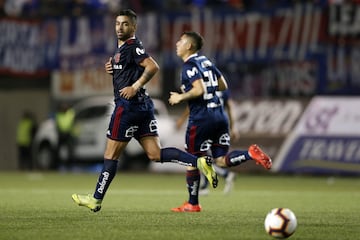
(146, 76)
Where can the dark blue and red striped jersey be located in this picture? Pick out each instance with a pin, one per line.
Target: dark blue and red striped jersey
(126, 68)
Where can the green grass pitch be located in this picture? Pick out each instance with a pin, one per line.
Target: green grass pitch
(137, 206)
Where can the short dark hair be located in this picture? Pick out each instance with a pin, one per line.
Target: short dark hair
(197, 39)
(129, 13)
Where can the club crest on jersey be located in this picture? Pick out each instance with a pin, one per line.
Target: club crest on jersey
(192, 72)
(140, 51)
(117, 58)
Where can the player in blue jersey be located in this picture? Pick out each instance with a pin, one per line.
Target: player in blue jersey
(133, 116)
(208, 125)
(229, 176)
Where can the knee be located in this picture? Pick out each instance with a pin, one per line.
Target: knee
(220, 161)
(153, 156)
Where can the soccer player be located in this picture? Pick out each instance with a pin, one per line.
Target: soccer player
(228, 175)
(208, 126)
(133, 116)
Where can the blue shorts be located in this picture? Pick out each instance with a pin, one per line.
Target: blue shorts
(132, 120)
(204, 136)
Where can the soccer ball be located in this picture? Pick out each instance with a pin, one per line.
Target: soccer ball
(280, 223)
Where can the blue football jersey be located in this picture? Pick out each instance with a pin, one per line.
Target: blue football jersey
(200, 67)
(126, 68)
(224, 96)
(131, 117)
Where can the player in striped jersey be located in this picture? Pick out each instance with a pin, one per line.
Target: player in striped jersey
(133, 117)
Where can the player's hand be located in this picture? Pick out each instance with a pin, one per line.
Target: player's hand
(127, 92)
(108, 66)
(175, 98)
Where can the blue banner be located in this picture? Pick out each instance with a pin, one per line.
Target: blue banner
(323, 155)
(326, 139)
(23, 50)
(296, 50)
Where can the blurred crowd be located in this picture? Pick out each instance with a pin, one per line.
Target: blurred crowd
(46, 8)
(55, 8)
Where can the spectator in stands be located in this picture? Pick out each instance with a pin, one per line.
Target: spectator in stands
(25, 133)
(64, 119)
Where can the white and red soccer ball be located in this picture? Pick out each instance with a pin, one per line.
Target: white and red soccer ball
(280, 223)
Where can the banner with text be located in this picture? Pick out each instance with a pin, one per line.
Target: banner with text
(325, 140)
(302, 50)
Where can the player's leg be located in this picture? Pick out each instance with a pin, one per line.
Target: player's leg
(197, 143)
(192, 183)
(151, 146)
(237, 157)
(148, 138)
(170, 154)
(228, 187)
(225, 173)
(118, 139)
(112, 153)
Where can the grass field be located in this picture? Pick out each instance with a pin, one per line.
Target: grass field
(137, 206)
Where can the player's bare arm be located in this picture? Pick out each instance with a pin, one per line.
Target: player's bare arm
(196, 91)
(150, 69)
(229, 107)
(222, 84)
(184, 116)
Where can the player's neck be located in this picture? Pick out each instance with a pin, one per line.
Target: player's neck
(189, 55)
(121, 42)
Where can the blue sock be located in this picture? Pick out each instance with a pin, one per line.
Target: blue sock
(193, 183)
(106, 176)
(175, 155)
(236, 157)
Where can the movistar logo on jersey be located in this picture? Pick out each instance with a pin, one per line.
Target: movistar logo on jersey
(140, 51)
(192, 72)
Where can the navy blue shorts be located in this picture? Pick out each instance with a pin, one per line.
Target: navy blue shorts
(204, 136)
(132, 121)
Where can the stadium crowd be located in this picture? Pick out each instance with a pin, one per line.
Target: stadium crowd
(47, 8)
(56, 8)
